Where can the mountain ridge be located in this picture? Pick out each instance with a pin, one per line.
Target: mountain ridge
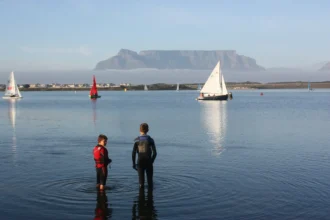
(179, 59)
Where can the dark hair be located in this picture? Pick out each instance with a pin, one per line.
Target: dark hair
(102, 137)
(144, 127)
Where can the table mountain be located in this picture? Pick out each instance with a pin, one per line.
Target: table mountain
(178, 59)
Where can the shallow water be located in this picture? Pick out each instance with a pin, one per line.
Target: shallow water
(254, 157)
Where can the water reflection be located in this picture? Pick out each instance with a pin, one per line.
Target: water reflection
(12, 118)
(144, 208)
(214, 120)
(94, 110)
(102, 211)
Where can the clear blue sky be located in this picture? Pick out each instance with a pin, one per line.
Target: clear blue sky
(75, 34)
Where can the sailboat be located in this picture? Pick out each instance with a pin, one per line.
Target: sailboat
(178, 87)
(12, 91)
(309, 86)
(215, 86)
(93, 93)
(145, 88)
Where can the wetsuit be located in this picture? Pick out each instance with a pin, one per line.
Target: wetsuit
(145, 147)
(101, 163)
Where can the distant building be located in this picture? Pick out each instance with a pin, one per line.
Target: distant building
(56, 85)
(125, 84)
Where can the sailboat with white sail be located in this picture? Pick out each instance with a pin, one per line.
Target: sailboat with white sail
(12, 91)
(309, 87)
(215, 86)
(177, 87)
(145, 88)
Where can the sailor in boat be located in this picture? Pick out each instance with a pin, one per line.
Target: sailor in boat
(102, 161)
(145, 147)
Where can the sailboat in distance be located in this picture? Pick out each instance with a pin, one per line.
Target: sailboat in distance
(12, 91)
(309, 87)
(145, 88)
(93, 94)
(215, 86)
(178, 87)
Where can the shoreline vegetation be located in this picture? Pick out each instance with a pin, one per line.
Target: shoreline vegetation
(192, 86)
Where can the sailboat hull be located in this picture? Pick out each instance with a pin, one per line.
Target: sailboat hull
(214, 98)
(8, 97)
(94, 96)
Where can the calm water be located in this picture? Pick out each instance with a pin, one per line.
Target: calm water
(254, 157)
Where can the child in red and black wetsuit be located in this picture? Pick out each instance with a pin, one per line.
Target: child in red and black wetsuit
(102, 161)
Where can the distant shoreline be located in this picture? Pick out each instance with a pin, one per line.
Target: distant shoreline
(230, 86)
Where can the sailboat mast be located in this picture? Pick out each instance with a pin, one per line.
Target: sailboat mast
(220, 77)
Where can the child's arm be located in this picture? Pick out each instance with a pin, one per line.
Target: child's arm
(154, 151)
(135, 147)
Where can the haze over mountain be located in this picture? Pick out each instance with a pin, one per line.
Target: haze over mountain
(325, 67)
(147, 76)
(179, 59)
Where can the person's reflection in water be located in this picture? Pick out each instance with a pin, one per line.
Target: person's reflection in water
(102, 211)
(144, 209)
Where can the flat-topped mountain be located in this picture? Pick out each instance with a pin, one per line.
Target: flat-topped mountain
(178, 59)
(326, 67)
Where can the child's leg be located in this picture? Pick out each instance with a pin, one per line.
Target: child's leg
(97, 177)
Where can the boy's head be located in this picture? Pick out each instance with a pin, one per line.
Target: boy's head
(144, 128)
(102, 140)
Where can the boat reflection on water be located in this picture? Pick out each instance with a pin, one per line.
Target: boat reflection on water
(144, 208)
(214, 120)
(102, 211)
(12, 118)
(94, 111)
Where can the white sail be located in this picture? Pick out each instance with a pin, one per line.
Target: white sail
(10, 87)
(12, 90)
(212, 85)
(145, 88)
(178, 87)
(224, 87)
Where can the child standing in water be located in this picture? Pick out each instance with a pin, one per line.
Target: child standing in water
(145, 147)
(102, 161)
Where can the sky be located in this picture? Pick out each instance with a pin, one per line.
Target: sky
(40, 35)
